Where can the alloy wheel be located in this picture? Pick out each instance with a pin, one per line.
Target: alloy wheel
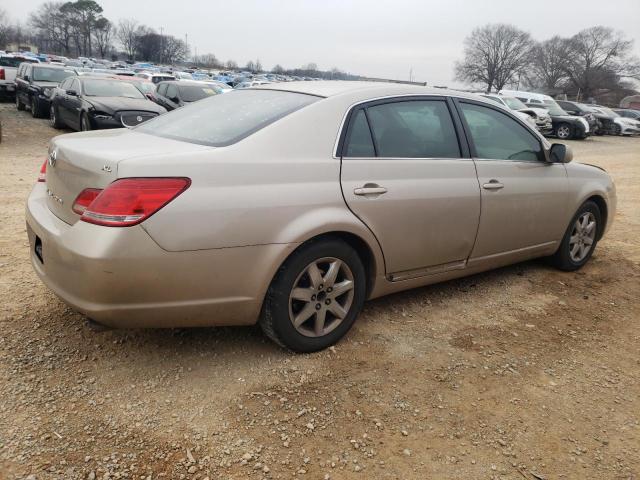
(582, 237)
(321, 297)
(564, 131)
(52, 116)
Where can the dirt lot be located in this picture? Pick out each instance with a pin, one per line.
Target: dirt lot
(520, 373)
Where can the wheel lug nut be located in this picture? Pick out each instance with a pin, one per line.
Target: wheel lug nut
(327, 301)
(329, 290)
(320, 287)
(318, 306)
(313, 298)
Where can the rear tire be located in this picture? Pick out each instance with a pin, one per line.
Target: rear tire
(580, 239)
(298, 311)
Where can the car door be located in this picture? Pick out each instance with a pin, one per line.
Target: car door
(524, 197)
(407, 175)
(74, 104)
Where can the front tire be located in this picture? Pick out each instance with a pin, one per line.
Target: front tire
(580, 239)
(19, 104)
(564, 131)
(617, 130)
(54, 119)
(315, 297)
(85, 124)
(35, 108)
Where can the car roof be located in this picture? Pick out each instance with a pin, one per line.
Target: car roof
(362, 89)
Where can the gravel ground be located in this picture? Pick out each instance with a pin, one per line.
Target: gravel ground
(520, 373)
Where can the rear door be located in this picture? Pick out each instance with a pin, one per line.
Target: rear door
(407, 175)
(524, 197)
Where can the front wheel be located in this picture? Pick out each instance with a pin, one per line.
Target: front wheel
(85, 124)
(54, 119)
(19, 104)
(315, 297)
(35, 108)
(580, 239)
(617, 130)
(564, 131)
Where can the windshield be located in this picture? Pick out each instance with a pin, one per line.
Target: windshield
(56, 75)
(513, 103)
(226, 119)
(554, 108)
(145, 87)
(195, 93)
(110, 88)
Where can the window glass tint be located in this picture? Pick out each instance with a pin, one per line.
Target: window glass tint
(359, 143)
(10, 62)
(414, 129)
(225, 119)
(193, 94)
(110, 88)
(162, 89)
(497, 136)
(172, 92)
(43, 74)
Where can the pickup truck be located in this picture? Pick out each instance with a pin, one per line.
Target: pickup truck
(8, 68)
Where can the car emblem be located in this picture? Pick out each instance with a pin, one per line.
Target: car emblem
(139, 118)
(53, 156)
(106, 168)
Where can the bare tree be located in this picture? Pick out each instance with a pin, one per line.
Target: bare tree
(549, 63)
(208, 60)
(600, 58)
(494, 55)
(251, 67)
(127, 36)
(258, 66)
(232, 65)
(103, 33)
(5, 29)
(52, 27)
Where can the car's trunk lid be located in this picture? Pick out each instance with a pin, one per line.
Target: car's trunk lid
(90, 160)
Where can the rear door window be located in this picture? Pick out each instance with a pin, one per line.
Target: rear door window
(359, 142)
(414, 129)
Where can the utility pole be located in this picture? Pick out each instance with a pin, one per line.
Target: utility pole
(186, 43)
(161, 44)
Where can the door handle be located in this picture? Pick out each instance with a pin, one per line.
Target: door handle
(493, 185)
(370, 189)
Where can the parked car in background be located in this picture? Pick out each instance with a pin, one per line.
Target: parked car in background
(146, 87)
(251, 83)
(169, 224)
(565, 126)
(178, 93)
(619, 125)
(628, 113)
(8, 69)
(34, 84)
(93, 103)
(155, 77)
(182, 76)
(581, 110)
(539, 116)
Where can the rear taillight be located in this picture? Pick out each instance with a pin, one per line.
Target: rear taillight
(2, 77)
(42, 176)
(85, 198)
(130, 201)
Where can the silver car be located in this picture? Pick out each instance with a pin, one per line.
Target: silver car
(291, 204)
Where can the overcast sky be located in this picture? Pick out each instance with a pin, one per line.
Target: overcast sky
(378, 38)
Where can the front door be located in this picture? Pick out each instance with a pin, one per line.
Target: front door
(405, 176)
(524, 197)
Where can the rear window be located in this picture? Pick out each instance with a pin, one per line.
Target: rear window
(43, 74)
(226, 119)
(193, 94)
(10, 62)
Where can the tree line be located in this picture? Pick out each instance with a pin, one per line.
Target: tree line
(79, 28)
(593, 60)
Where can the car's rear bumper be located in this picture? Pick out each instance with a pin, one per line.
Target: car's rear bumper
(120, 276)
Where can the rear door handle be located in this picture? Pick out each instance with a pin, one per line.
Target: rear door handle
(370, 190)
(493, 185)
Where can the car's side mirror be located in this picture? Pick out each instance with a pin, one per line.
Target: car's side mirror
(560, 153)
(26, 78)
(73, 93)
